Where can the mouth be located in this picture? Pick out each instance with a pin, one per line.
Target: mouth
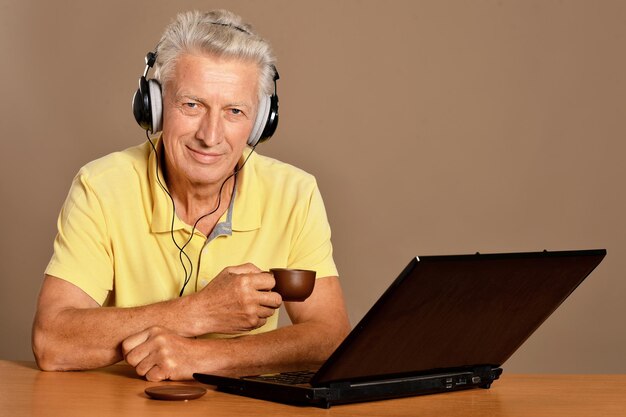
(205, 157)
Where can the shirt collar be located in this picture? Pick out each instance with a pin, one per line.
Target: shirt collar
(243, 211)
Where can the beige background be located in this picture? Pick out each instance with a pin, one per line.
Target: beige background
(433, 127)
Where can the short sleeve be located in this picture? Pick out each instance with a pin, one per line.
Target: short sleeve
(82, 249)
(312, 247)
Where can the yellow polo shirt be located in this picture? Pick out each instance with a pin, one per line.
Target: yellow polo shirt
(114, 230)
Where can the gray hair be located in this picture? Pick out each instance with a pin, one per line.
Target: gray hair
(218, 32)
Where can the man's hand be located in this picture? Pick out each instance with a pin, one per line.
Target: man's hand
(158, 354)
(237, 300)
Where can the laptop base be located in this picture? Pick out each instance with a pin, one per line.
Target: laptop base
(346, 392)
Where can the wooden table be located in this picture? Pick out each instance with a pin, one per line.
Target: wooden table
(116, 391)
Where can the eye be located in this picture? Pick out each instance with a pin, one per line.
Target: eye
(236, 111)
(190, 108)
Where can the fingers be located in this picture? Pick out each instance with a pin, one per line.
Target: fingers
(255, 290)
(273, 300)
(147, 366)
(155, 374)
(257, 278)
(249, 281)
(135, 340)
(138, 348)
(151, 352)
(260, 281)
(243, 269)
(134, 349)
(157, 366)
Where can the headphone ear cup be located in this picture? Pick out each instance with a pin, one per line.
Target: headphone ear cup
(141, 105)
(259, 122)
(156, 106)
(266, 120)
(148, 105)
(272, 119)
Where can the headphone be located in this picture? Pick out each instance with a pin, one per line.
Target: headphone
(148, 107)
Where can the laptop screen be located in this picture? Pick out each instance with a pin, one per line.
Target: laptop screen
(453, 312)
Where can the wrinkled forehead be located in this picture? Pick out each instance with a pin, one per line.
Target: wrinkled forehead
(206, 72)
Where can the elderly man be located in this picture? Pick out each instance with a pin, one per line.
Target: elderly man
(161, 249)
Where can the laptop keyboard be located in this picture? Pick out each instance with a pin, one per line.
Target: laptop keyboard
(287, 378)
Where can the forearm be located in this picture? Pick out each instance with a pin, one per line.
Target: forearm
(71, 331)
(300, 346)
(85, 338)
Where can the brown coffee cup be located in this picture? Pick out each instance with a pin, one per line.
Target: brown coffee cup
(293, 284)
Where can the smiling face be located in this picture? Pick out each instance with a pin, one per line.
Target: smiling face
(209, 107)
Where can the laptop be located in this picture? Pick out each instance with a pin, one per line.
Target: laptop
(446, 323)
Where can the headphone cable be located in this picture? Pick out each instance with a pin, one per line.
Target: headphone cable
(189, 274)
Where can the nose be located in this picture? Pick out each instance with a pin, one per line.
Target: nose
(210, 130)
